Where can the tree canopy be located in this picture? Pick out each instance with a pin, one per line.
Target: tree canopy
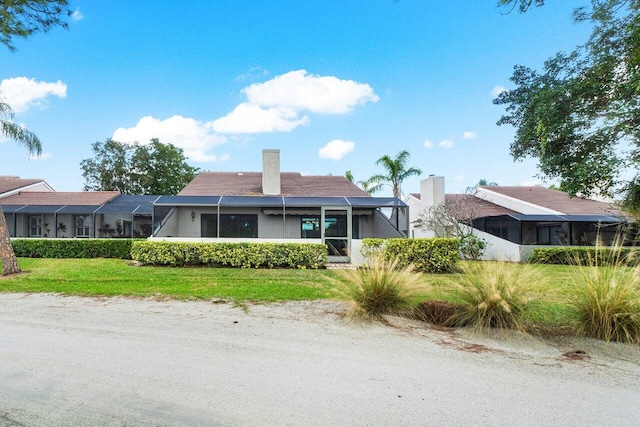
(155, 168)
(396, 171)
(580, 116)
(22, 18)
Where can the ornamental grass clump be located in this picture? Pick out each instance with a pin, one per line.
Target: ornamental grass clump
(608, 298)
(493, 294)
(383, 287)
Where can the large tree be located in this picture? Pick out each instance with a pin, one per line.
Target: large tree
(155, 168)
(21, 19)
(580, 115)
(396, 171)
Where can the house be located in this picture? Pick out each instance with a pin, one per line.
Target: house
(13, 184)
(278, 206)
(517, 219)
(76, 214)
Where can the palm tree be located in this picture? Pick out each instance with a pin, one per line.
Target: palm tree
(30, 141)
(369, 186)
(396, 172)
(482, 182)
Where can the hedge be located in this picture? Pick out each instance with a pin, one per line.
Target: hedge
(437, 255)
(244, 255)
(72, 248)
(580, 255)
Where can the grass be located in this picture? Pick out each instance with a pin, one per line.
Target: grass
(110, 277)
(382, 288)
(551, 311)
(494, 294)
(608, 300)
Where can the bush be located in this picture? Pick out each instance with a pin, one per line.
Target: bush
(608, 297)
(472, 247)
(438, 255)
(72, 248)
(493, 294)
(578, 255)
(384, 287)
(244, 255)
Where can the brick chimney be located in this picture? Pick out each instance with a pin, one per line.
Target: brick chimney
(271, 172)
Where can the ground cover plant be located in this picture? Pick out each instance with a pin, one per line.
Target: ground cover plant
(493, 295)
(380, 288)
(608, 297)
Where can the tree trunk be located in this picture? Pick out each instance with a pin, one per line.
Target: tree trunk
(8, 257)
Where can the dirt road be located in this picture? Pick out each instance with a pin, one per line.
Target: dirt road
(128, 362)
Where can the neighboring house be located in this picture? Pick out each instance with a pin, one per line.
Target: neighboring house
(78, 214)
(12, 185)
(514, 220)
(277, 206)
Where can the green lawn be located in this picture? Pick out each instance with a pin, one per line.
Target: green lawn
(110, 277)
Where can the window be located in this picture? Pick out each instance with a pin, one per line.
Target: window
(238, 225)
(35, 226)
(335, 226)
(245, 225)
(310, 227)
(83, 226)
(208, 225)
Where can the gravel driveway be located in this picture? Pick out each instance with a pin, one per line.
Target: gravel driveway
(131, 362)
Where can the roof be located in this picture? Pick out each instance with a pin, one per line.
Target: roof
(10, 183)
(79, 198)
(471, 206)
(250, 184)
(131, 204)
(279, 201)
(556, 200)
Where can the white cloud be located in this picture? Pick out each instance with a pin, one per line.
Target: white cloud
(428, 144)
(496, 91)
(252, 118)
(194, 137)
(22, 93)
(319, 94)
(336, 149)
(278, 104)
(469, 135)
(77, 15)
(446, 143)
(253, 74)
(43, 156)
(459, 178)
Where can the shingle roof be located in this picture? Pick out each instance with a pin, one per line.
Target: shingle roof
(471, 206)
(250, 184)
(80, 198)
(9, 183)
(556, 200)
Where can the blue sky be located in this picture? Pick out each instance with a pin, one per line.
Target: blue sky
(334, 85)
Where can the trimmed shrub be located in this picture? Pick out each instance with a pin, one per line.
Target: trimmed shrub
(225, 254)
(384, 287)
(72, 248)
(579, 255)
(437, 255)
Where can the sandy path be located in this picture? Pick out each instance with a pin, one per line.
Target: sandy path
(115, 362)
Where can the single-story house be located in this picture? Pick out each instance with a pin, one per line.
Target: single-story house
(516, 219)
(13, 184)
(77, 214)
(278, 206)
